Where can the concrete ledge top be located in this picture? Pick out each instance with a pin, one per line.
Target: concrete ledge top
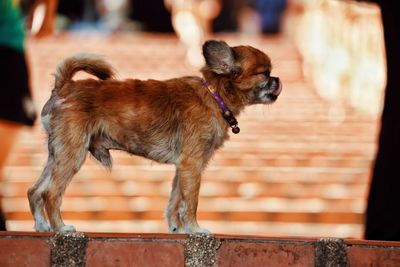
(243, 238)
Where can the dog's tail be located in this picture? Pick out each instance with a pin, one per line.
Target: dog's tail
(88, 62)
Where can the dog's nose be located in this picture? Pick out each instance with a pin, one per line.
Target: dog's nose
(276, 81)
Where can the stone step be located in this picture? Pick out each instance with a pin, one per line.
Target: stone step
(231, 158)
(262, 210)
(210, 189)
(161, 173)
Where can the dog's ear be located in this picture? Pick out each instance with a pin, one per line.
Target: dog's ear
(219, 57)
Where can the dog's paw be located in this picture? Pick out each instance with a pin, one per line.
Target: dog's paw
(202, 231)
(42, 227)
(67, 229)
(197, 230)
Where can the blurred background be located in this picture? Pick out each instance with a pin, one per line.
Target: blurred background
(300, 167)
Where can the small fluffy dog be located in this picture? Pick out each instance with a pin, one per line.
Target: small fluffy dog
(179, 121)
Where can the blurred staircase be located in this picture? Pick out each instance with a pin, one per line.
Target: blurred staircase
(299, 167)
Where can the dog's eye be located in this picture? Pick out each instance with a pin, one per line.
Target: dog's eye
(266, 73)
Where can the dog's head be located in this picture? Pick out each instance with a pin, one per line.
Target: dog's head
(246, 68)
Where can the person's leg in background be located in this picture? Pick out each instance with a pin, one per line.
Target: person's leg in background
(16, 106)
(8, 136)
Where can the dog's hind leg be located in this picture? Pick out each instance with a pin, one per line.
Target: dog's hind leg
(35, 196)
(53, 199)
(69, 155)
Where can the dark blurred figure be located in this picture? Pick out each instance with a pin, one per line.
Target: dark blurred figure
(383, 216)
(228, 19)
(152, 15)
(73, 9)
(269, 11)
(79, 11)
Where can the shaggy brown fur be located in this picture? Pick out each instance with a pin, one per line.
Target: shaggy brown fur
(176, 121)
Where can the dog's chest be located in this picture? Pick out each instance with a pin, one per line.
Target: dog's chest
(216, 135)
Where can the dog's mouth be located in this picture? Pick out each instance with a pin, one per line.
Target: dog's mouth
(270, 90)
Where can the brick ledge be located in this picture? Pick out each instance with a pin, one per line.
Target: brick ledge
(137, 249)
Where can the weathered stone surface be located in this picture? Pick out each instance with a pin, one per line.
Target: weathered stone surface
(200, 250)
(330, 252)
(68, 249)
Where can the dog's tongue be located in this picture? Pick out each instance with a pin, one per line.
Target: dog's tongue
(278, 91)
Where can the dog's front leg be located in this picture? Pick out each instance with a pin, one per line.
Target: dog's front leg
(188, 176)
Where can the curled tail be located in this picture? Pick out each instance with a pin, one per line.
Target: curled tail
(90, 63)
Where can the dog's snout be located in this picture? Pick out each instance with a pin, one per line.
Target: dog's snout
(275, 83)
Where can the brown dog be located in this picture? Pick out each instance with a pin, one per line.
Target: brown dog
(179, 121)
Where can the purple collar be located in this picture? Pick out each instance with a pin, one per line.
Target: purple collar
(225, 111)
